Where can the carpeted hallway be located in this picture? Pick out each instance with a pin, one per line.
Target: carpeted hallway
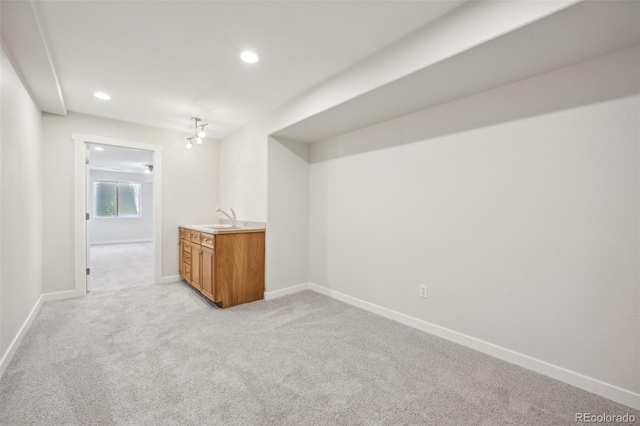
(118, 266)
(163, 355)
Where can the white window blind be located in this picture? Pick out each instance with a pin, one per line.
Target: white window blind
(116, 199)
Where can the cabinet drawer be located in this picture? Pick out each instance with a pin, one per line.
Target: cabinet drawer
(195, 237)
(187, 272)
(207, 240)
(186, 257)
(187, 234)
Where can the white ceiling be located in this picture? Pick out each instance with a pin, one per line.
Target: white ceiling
(21, 30)
(165, 61)
(578, 33)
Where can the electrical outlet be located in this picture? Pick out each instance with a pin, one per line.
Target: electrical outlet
(423, 291)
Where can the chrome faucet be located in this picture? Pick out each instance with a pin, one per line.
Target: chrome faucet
(231, 218)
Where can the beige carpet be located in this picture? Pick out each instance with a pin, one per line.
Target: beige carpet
(162, 355)
(118, 266)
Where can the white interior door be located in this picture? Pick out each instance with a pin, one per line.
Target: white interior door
(88, 199)
(80, 201)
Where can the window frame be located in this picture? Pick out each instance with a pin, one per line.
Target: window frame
(94, 181)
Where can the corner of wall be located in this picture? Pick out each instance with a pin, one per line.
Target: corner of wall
(287, 214)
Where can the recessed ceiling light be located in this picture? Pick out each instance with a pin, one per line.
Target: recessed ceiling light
(249, 57)
(102, 95)
(99, 148)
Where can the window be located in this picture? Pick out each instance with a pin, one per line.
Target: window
(116, 199)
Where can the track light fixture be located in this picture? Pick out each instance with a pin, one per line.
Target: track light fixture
(198, 133)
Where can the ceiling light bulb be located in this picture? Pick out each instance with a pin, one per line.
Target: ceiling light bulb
(99, 148)
(189, 145)
(198, 140)
(201, 134)
(102, 95)
(249, 57)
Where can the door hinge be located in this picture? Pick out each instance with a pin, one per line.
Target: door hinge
(87, 216)
(88, 271)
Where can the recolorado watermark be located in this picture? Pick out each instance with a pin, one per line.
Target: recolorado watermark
(604, 418)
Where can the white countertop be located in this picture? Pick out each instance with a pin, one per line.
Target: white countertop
(243, 226)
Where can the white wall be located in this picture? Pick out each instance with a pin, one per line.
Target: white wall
(190, 188)
(287, 260)
(251, 178)
(518, 207)
(122, 229)
(21, 205)
(243, 173)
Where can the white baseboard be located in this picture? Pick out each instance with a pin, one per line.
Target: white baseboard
(60, 295)
(13, 347)
(606, 390)
(101, 243)
(170, 279)
(285, 291)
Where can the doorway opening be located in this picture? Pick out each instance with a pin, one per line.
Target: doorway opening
(120, 227)
(117, 213)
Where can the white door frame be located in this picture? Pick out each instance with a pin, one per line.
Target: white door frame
(80, 203)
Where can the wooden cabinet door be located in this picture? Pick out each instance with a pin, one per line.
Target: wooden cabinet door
(208, 273)
(196, 260)
(239, 267)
